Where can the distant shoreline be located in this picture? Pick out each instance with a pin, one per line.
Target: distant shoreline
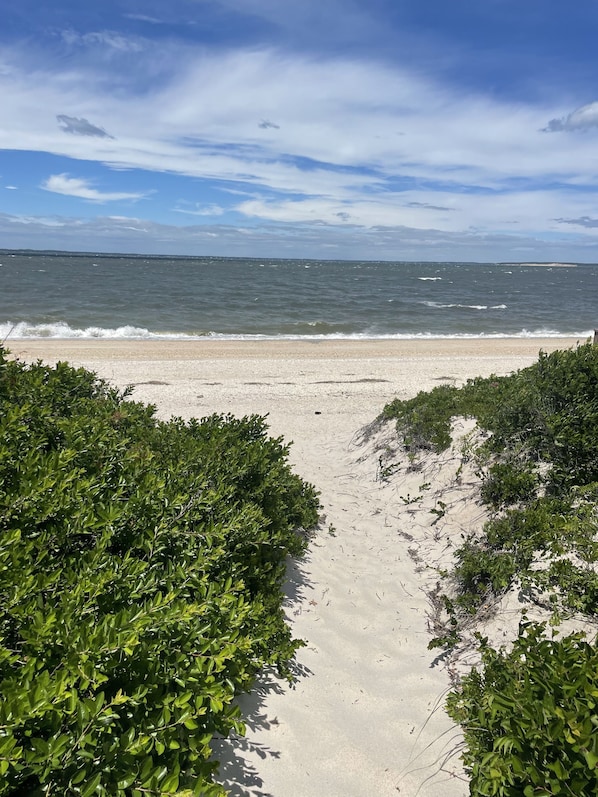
(256, 258)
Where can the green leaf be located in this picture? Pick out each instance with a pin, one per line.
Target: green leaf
(591, 759)
(91, 787)
(125, 782)
(183, 699)
(145, 773)
(170, 783)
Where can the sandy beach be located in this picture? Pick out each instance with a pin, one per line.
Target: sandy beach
(365, 714)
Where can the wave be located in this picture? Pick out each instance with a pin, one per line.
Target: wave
(440, 306)
(62, 331)
(429, 279)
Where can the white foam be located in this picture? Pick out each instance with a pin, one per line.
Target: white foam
(62, 330)
(440, 306)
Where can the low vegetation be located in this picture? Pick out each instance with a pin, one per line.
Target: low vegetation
(530, 714)
(141, 565)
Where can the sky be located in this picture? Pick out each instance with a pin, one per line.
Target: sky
(329, 129)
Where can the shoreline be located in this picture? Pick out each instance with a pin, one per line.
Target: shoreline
(119, 349)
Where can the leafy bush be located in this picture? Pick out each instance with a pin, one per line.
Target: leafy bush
(506, 484)
(547, 412)
(508, 548)
(481, 571)
(141, 565)
(530, 718)
(425, 421)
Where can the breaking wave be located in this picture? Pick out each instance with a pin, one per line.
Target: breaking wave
(439, 306)
(63, 331)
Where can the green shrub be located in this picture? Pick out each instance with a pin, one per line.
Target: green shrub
(480, 572)
(530, 718)
(547, 412)
(505, 484)
(424, 422)
(141, 568)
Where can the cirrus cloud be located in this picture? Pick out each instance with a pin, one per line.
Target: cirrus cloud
(78, 187)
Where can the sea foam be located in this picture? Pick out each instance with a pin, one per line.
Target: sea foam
(63, 331)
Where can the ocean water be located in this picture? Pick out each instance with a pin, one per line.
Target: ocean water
(118, 296)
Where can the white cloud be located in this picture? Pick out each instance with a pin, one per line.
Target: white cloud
(584, 118)
(354, 142)
(77, 187)
(203, 119)
(455, 213)
(145, 18)
(38, 221)
(204, 210)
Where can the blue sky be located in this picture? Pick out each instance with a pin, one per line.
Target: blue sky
(378, 129)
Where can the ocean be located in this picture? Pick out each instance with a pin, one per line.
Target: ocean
(64, 295)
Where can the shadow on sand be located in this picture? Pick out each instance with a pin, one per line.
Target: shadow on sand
(235, 754)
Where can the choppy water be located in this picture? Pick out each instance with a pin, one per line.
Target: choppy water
(109, 296)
